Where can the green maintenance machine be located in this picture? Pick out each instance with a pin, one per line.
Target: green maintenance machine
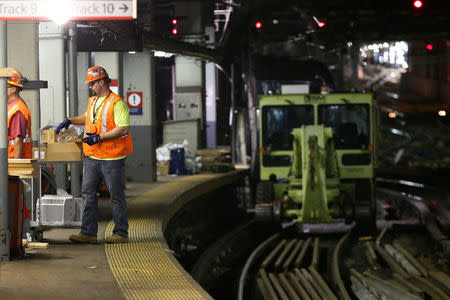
(317, 156)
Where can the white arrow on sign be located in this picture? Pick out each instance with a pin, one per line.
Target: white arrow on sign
(71, 9)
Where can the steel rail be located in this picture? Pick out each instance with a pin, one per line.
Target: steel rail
(250, 262)
(335, 273)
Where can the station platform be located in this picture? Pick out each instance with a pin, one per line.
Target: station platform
(144, 268)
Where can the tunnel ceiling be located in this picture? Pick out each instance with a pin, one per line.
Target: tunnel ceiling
(282, 21)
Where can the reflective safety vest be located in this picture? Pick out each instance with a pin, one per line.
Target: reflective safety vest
(104, 122)
(27, 148)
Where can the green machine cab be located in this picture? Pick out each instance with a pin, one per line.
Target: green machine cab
(317, 157)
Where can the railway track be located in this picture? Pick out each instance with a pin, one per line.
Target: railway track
(402, 262)
(286, 266)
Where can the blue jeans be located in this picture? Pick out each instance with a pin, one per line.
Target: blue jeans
(112, 171)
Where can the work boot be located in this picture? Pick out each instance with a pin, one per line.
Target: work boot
(82, 238)
(116, 239)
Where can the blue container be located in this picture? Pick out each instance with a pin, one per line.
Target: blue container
(177, 161)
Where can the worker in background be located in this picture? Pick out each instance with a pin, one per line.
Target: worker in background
(20, 144)
(106, 143)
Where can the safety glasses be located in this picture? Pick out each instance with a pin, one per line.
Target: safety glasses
(92, 83)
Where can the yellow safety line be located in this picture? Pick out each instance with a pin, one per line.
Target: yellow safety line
(144, 268)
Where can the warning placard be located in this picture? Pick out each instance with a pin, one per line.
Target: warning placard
(134, 101)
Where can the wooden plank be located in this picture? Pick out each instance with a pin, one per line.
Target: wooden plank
(21, 160)
(22, 165)
(16, 172)
(6, 72)
(24, 171)
(22, 168)
(26, 176)
(37, 245)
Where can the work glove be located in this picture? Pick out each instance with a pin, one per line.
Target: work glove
(63, 124)
(92, 138)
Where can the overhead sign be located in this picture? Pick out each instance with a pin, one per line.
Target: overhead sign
(71, 9)
(134, 101)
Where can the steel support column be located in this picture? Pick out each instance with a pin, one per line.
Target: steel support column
(355, 65)
(73, 100)
(4, 231)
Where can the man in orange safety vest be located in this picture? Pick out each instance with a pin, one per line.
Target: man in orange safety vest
(106, 143)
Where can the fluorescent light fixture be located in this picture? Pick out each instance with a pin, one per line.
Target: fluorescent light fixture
(131, 52)
(163, 54)
(59, 11)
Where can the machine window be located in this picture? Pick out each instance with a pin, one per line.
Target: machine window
(278, 122)
(350, 123)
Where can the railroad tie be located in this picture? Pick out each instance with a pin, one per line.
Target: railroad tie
(266, 282)
(272, 254)
(442, 280)
(360, 290)
(411, 258)
(431, 288)
(284, 253)
(278, 287)
(322, 282)
(315, 256)
(395, 267)
(291, 257)
(288, 287)
(411, 287)
(301, 255)
(402, 260)
(306, 284)
(392, 286)
(314, 284)
(298, 287)
(262, 289)
(382, 288)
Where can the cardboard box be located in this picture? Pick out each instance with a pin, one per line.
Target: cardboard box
(43, 155)
(163, 169)
(71, 151)
(49, 136)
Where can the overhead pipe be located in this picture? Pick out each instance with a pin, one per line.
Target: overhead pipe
(158, 42)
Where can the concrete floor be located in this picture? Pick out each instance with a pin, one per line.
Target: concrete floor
(66, 270)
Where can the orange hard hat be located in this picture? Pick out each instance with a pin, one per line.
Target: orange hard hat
(16, 79)
(95, 73)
